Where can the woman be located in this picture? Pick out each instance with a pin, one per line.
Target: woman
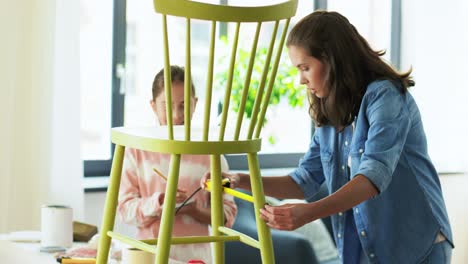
(369, 148)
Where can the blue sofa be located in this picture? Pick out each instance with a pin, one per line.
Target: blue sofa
(289, 247)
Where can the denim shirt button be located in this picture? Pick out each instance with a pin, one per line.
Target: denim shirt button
(343, 167)
(338, 235)
(361, 150)
(363, 233)
(340, 214)
(372, 255)
(346, 143)
(356, 210)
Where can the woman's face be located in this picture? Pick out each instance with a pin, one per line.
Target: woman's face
(312, 71)
(159, 105)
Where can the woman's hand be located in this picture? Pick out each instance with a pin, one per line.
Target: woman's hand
(286, 216)
(234, 179)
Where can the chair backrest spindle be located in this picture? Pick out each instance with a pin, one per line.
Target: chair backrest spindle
(271, 81)
(259, 96)
(245, 88)
(209, 83)
(227, 94)
(167, 79)
(187, 82)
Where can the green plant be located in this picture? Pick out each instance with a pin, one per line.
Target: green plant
(283, 89)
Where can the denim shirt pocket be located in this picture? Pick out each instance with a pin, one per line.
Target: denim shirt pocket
(355, 155)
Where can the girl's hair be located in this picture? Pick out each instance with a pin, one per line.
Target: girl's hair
(177, 75)
(350, 62)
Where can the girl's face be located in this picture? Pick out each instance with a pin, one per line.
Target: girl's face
(312, 71)
(159, 105)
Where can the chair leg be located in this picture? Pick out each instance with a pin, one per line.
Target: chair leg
(264, 233)
(167, 219)
(217, 210)
(110, 208)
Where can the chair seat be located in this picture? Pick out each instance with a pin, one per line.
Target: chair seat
(156, 139)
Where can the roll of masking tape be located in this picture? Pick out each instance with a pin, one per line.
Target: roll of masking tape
(56, 226)
(136, 256)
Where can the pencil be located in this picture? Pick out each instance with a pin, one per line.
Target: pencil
(160, 174)
(165, 178)
(77, 261)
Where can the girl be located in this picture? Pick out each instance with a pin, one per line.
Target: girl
(141, 195)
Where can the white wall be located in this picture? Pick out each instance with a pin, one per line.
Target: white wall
(456, 199)
(66, 164)
(434, 42)
(39, 80)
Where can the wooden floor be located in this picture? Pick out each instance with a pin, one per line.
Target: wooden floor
(455, 189)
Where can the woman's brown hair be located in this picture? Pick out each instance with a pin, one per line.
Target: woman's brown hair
(350, 62)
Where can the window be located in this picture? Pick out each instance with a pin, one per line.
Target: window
(102, 53)
(117, 86)
(96, 78)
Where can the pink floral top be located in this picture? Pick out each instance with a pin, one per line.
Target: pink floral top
(139, 199)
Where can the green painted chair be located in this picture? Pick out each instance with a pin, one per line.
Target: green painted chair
(206, 140)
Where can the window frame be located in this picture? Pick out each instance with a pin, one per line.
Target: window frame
(96, 168)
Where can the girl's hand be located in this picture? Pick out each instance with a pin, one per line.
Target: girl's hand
(189, 208)
(234, 178)
(286, 216)
(180, 196)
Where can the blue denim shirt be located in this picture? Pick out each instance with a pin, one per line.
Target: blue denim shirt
(388, 146)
